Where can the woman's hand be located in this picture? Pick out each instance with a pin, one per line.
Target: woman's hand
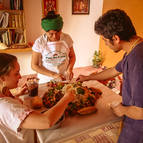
(69, 74)
(70, 93)
(59, 77)
(23, 90)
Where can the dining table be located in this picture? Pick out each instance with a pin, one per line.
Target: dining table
(72, 125)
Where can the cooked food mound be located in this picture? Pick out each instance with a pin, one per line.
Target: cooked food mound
(85, 97)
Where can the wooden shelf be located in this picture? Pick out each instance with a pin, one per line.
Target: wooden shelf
(12, 10)
(13, 32)
(16, 50)
(11, 28)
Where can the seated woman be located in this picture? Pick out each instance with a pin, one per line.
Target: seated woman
(53, 55)
(16, 119)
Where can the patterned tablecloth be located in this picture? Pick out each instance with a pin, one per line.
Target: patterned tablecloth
(87, 128)
(106, 133)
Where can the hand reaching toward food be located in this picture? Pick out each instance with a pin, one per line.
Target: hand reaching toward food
(82, 78)
(70, 92)
(68, 75)
(59, 77)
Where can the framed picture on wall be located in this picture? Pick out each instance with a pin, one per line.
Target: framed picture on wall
(80, 6)
(48, 5)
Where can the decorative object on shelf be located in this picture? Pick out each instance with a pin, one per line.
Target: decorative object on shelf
(80, 6)
(97, 59)
(3, 46)
(48, 5)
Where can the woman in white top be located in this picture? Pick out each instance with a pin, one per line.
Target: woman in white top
(16, 119)
(53, 55)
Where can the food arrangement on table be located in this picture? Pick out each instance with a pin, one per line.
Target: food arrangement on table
(84, 102)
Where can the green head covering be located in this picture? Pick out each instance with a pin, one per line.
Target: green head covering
(52, 22)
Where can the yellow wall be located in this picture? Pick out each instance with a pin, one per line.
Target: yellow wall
(134, 8)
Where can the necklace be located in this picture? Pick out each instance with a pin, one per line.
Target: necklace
(134, 44)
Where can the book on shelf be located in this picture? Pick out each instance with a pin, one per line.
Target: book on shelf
(16, 4)
(13, 20)
(4, 19)
(10, 21)
(12, 35)
(6, 38)
(1, 18)
(18, 38)
(21, 4)
(16, 20)
(21, 38)
(12, 4)
(20, 20)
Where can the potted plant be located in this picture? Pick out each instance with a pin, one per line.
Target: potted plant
(97, 59)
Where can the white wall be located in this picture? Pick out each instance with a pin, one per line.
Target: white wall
(25, 63)
(80, 27)
(33, 15)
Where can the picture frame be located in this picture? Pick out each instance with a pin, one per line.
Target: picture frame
(48, 5)
(80, 6)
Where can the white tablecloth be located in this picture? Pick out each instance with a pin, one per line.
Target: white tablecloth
(76, 124)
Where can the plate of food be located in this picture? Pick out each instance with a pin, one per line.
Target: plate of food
(85, 97)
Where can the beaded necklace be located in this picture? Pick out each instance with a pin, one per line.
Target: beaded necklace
(134, 44)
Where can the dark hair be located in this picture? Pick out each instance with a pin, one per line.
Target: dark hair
(115, 22)
(51, 15)
(6, 63)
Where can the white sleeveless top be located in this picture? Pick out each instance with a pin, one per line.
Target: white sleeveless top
(55, 55)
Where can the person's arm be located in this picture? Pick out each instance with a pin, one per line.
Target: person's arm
(133, 112)
(36, 120)
(104, 75)
(36, 65)
(72, 59)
